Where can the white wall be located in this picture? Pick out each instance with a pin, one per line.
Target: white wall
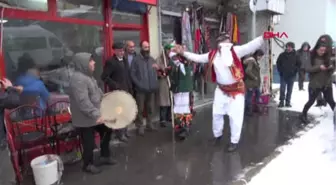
(331, 18)
(305, 20)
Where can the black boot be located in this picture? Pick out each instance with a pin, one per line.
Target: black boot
(304, 119)
(288, 104)
(281, 104)
(163, 124)
(232, 147)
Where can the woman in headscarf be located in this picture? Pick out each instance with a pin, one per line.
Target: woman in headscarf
(326, 39)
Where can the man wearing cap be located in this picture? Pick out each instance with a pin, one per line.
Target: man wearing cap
(117, 77)
(227, 71)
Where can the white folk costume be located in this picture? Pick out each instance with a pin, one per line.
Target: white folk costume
(227, 72)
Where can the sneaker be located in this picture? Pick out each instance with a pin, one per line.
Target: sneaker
(123, 138)
(92, 169)
(216, 141)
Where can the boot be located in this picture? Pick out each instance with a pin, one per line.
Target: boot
(92, 169)
(232, 147)
(281, 104)
(288, 104)
(304, 119)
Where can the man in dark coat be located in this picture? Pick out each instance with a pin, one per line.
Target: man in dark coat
(304, 55)
(117, 77)
(288, 65)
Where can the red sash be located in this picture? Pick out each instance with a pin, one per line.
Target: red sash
(236, 69)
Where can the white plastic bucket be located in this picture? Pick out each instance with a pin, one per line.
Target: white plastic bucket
(45, 170)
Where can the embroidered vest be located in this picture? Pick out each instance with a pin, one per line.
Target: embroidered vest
(236, 68)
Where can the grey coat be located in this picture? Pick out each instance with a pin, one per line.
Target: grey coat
(143, 75)
(85, 95)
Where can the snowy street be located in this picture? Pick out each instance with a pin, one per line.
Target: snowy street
(309, 159)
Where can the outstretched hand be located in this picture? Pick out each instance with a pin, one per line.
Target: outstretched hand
(178, 49)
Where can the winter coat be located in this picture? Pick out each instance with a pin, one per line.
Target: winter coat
(33, 89)
(164, 99)
(317, 77)
(252, 73)
(288, 64)
(143, 75)
(116, 75)
(304, 56)
(84, 94)
(9, 99)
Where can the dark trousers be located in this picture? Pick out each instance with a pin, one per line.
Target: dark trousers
(249, 95)
(286, 84)
(88, 142)
(165, 113)
(302, 78)
(146, 103)
(314, 93)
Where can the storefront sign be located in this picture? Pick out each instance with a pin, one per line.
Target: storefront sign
(150, 2)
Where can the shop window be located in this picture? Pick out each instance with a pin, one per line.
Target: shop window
(50, 44)
(37, 5)
(123, 36)
(126, 18)
(80, 9)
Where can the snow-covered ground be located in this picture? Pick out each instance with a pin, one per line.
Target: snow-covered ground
(309, 159)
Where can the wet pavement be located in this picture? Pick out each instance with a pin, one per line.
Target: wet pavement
(156, 160)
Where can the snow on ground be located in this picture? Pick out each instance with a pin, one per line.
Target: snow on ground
(309, 159)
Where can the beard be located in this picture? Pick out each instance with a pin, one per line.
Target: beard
(145, 53)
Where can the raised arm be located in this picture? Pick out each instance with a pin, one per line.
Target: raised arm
(198, 58)
(249, 47)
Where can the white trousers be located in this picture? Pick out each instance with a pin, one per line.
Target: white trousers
(234, 108)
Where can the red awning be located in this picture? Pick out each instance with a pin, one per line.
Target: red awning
(150, 2)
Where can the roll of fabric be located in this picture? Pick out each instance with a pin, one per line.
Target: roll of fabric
(235, 30)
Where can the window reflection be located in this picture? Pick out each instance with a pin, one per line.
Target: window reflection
(123, 36)
(167, 34)
(80, 9)
(38, 5)
(50, 44)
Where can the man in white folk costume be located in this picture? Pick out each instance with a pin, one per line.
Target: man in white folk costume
(227, 71)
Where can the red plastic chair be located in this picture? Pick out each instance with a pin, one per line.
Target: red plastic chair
(64, 136)
(26, 133)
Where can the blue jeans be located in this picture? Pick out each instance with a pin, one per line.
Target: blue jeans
(286, 84)
(249, 95)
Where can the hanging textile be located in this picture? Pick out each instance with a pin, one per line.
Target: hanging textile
(235, 30)
(186, 31)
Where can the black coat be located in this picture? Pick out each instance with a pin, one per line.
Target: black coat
(116, 75)
(288, 64)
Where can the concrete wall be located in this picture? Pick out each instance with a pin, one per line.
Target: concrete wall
(305, 20)
(331, 18)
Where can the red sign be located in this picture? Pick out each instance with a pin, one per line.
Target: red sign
(150, 2)
(269, 35)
